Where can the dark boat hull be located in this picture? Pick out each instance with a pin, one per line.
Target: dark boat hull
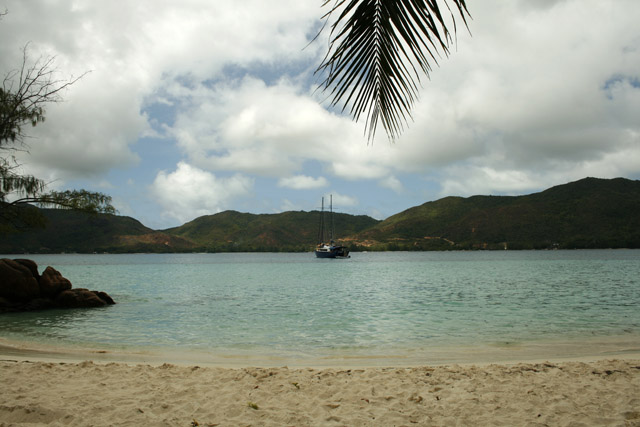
(333, 252)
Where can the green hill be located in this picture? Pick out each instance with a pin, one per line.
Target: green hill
(590, 213)
(287, 231)
(70, 231)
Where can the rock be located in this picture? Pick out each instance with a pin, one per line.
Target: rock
(23, 289)
(37, 304)
(52, 283)
(104, 297)
(79, 298)
(31, 265)
(17, 282)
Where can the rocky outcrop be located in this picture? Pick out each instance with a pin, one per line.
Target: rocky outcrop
(52, 283)
(22, 288)
(80, 297)
(17, 282)
(31, 265)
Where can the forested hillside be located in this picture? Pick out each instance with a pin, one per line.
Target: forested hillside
(590, 213)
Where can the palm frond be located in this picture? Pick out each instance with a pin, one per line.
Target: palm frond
(378, 50)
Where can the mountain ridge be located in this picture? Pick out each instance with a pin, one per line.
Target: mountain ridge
(588, 213)
(554, 218)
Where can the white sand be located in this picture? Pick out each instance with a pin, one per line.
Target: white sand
(100, 394)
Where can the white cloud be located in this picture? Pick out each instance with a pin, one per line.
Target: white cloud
(105, 184)
(484, 180)
(133, 51)
(340, 201)
(392, 183)
(535, 97)
(189, 192)
(270, 130)
(303, 182)
(82, 137)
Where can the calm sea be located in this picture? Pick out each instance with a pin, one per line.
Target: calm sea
(421, 307)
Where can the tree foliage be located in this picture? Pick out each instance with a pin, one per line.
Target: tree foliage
(23, 96)
(24, 93)
(378, 51)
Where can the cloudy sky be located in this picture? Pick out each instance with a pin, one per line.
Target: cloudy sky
(194, 107)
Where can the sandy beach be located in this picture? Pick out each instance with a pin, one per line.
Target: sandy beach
(59, 393)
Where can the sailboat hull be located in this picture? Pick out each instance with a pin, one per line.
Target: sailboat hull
(332, 252)
(329, 250)
(323, 254)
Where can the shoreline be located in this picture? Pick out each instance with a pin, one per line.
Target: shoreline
(625, 347)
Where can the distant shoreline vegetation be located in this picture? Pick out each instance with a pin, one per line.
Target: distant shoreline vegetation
(352, 249)
(587, 214)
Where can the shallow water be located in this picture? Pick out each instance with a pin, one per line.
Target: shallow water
(374, 304)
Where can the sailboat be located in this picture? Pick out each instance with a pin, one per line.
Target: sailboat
(330, 249)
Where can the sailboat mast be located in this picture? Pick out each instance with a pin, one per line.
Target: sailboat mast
(321, 230)
(331, 214)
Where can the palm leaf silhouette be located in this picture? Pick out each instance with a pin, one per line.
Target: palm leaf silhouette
(377, 52)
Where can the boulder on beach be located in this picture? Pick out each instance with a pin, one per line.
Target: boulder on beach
(22, 288)
(17, 282)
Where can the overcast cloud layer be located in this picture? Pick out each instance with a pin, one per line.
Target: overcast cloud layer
(195, 107)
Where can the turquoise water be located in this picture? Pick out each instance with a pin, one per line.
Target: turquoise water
(295, 305)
